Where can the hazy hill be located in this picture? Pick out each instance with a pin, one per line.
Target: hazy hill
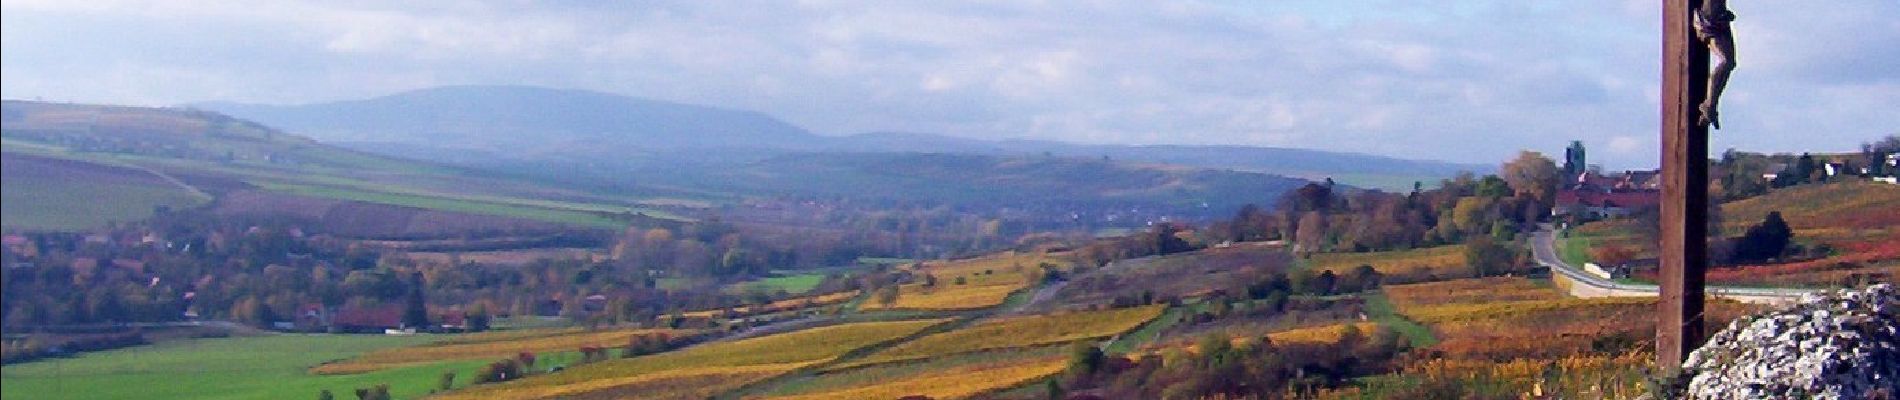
(514, 118)
(168, 133)
(77, 165)
(483, 124)
(1044, 183)
(1354, 168)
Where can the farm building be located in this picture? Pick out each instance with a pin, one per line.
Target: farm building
(1590, 204)
(367, 319)
(317, 318)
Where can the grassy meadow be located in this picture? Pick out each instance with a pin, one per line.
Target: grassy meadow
(558, 215)
(794, 282)
(239, 368)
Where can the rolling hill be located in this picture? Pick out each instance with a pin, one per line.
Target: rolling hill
(525, 119)
(1352, 168)
(503, 127)
(1046, 183)
(71, 166)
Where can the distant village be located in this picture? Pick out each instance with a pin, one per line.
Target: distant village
(1589, 193)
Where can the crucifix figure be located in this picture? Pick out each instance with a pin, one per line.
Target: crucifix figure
(1694, 31)
(1712, 29)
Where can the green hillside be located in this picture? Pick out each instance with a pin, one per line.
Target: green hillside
(50, 193)
(85, 165)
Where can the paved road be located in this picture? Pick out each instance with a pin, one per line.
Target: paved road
(1543, 247)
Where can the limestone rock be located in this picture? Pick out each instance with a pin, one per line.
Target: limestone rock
(1839, 345)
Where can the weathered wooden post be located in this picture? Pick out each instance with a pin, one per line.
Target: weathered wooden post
(1685, 173)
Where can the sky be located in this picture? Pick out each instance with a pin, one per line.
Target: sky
(1469, 81)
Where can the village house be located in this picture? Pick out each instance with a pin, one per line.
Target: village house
(376, 319)
(1595, 205)
(1593, 196)
(386, 318)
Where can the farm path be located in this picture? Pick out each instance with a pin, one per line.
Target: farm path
(1584, 284)
(173, 180)
(773, 328)
(1048, 292)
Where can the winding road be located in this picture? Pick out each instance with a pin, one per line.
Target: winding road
(1584, 284)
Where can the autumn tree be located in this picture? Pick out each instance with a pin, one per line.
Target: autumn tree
(1311, 197)
(477, 317)
(1488, 257)
(1311, 235)
(1532, 174)
(415, 311)
(887, 295)
(1470, 216)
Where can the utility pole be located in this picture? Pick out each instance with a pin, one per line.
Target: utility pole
(1685, 186)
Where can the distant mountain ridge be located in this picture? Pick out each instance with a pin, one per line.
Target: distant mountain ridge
(529, 124)
(520, 118)
(1284, 161)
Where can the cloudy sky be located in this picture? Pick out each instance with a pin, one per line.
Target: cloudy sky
(1469, 80)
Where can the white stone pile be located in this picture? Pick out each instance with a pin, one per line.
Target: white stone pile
(1837, 345)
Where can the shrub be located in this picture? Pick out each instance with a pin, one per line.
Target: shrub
(499, 371)
(527, 360)
(378, 392)
(1764, 241)
(640, 345)
(590, 354)
(1085, 358)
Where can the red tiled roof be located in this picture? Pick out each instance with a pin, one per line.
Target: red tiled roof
(387, 316)
(1617, 199)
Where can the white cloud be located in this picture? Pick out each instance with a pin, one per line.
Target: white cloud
(1625, 145)
(1469, 81)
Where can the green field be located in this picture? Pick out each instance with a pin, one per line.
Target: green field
(450, 204)
(789, 281)
(1151, 331)
(1381, 310)
(35, 203)
(1387, 182)
(41, 193)
(1574, 250)
(268, 367)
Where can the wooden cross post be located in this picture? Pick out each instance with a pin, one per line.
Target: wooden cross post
(1685, 184)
